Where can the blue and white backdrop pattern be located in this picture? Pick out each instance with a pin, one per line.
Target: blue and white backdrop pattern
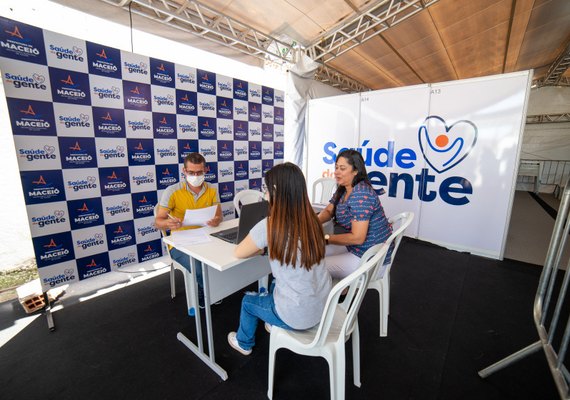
(100, 133)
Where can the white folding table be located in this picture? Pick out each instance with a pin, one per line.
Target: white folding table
(223, 274)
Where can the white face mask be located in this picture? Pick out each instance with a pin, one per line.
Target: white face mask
(195, 180)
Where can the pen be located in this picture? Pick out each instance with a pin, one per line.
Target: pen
(174, 219)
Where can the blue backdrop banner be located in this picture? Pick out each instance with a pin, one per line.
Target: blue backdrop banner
(100, 133)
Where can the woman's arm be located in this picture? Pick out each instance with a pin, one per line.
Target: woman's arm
(359, 203)
(326, 214)
(356, 236)
(247, 248)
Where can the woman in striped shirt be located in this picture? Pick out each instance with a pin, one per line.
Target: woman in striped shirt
(357, 213)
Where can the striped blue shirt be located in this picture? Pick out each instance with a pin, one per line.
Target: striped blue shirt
(363, 205)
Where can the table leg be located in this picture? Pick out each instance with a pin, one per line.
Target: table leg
(210, 360)
(47, 311)
(198, 318)
(205, 359)
(208, 310)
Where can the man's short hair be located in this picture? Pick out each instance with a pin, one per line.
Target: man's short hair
(195, 158)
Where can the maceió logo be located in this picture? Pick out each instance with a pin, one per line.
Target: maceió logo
(442, 146)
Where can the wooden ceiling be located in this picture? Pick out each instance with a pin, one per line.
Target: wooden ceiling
(447, 40)
(451, 39)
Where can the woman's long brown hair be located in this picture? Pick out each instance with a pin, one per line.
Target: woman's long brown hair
(292, 224)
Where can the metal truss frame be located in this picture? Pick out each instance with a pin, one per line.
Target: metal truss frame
(334, 78)
(367, 24)
(199, 20)
(557, 68)
(562, 81)
(547, 118)
(206, 23)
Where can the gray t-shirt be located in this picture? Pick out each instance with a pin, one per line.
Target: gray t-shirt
(299, 295)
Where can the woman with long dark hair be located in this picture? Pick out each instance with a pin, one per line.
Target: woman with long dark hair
(296, 247)
(359, 218)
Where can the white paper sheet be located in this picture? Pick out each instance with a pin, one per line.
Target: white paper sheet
(199, 216)
(190, 236)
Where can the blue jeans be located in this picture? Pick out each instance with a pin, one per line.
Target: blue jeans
(184, 260)
(255, 307)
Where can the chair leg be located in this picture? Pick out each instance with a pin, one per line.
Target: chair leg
(377, 286)
(384, 308)
(172, 282)
(189, 288)
(337, 369)
(356, 355)
(270, 370)
(387, 290)
(263, 284)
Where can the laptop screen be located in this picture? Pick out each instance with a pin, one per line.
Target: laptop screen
(250, 215)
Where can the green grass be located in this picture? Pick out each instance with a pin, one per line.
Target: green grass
(11, 279)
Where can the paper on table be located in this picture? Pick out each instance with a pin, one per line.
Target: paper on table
(190, 236)
(199, 216)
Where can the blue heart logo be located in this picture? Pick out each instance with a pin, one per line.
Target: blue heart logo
(443, 147)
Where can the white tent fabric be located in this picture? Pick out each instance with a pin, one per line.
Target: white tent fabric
(547, 141)
(301, 87)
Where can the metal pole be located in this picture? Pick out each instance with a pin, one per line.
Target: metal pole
(513, 358)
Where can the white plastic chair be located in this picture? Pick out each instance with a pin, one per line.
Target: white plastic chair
(246, 196)
(381, 281)
(189, 287)
(249, 196)
(338, 323)
(323, 189)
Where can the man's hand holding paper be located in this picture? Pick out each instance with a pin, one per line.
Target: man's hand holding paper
(200, 216)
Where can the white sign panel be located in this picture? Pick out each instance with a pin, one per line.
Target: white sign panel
(226, 171)
(472, 144)
(187, 126)
(26, 81)
(65, 52)
(106, 92)
(50, 218)
(144, 228)
(143, 178)
(185, 77)
(224, 86)
(448, 152)
(135, 67)
(117, 208)
(138, 124)
(225, 129)
(123, 257)
(73, 120)
(89, 241)
(111, 152)
(388, 143)
(81, 183)
(59, 274)
(332, 125)
(240, 110)
(37, 154)
(163, 99)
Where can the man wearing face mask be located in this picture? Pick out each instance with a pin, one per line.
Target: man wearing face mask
(190, 194)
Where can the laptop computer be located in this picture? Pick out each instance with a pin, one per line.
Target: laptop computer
(250, 215)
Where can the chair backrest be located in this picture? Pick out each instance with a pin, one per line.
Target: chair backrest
(400, 223)
(155, 212)
(246, 196)
(323, 189)
(340, 318)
